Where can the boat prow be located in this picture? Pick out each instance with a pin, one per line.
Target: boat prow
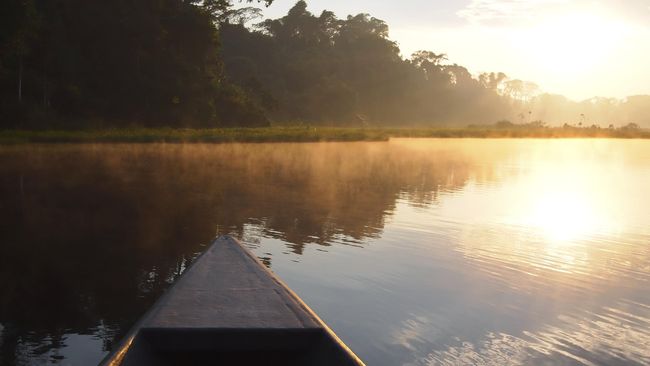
(228, 309)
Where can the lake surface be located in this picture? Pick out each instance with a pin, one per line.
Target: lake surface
(416, 252)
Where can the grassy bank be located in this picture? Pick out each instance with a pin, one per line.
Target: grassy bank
(299, 134)
(216, 135)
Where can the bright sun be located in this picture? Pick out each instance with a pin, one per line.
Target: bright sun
(571, 43)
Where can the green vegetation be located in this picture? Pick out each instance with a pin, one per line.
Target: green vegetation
(215, 135)
(66, 62)
(304, 134)
(80, 64)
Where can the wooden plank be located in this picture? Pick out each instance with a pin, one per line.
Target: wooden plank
(227, 307)
(227, 288)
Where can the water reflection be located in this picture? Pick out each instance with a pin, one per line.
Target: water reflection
(525, 263)
(417, 252)
(611, 336)
(93, 233)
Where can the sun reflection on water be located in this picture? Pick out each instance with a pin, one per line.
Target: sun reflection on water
(566, 213)
(564, 203)
(554, 213)
(553, 257)
(564, 217)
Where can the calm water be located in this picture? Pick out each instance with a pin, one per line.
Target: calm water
(416, 252)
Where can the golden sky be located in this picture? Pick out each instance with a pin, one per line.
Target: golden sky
(578, 48)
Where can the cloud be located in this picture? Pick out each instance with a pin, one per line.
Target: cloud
(507, 11)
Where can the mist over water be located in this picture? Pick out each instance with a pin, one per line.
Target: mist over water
(416, 252)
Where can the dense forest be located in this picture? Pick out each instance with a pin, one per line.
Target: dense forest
(147, 62)
(191, 63)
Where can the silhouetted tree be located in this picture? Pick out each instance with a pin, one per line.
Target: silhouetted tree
(195, 63)
(150, 62)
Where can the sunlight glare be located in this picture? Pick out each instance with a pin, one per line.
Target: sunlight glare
(568, 205)
(563, 217)
(572, 43)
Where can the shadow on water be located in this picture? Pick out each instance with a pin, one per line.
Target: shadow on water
(92, 234)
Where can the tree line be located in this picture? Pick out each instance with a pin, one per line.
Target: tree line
(322, 69)
(192, 63)
(70, 63)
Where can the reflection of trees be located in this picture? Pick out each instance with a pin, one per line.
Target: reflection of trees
(93, 234)
(310, 194)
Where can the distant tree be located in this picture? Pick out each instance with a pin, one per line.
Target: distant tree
(520, 90)
(537, 124)
(631, 127)
(224, 11)
(493, 81)
(430, 63)
(505, 124)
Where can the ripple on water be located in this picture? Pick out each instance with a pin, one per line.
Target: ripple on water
(612, 335)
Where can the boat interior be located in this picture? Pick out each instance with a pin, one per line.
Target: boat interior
(167, 347)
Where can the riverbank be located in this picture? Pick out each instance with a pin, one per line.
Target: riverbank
(300, 134)
(214, 135)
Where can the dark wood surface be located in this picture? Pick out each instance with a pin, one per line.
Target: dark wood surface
(228, 309)
(226, 288)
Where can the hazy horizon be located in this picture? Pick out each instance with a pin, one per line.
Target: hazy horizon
(599, 40)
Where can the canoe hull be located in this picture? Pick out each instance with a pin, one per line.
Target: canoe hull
(227, 308)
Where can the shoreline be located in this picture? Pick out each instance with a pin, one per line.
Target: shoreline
(299, 134)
